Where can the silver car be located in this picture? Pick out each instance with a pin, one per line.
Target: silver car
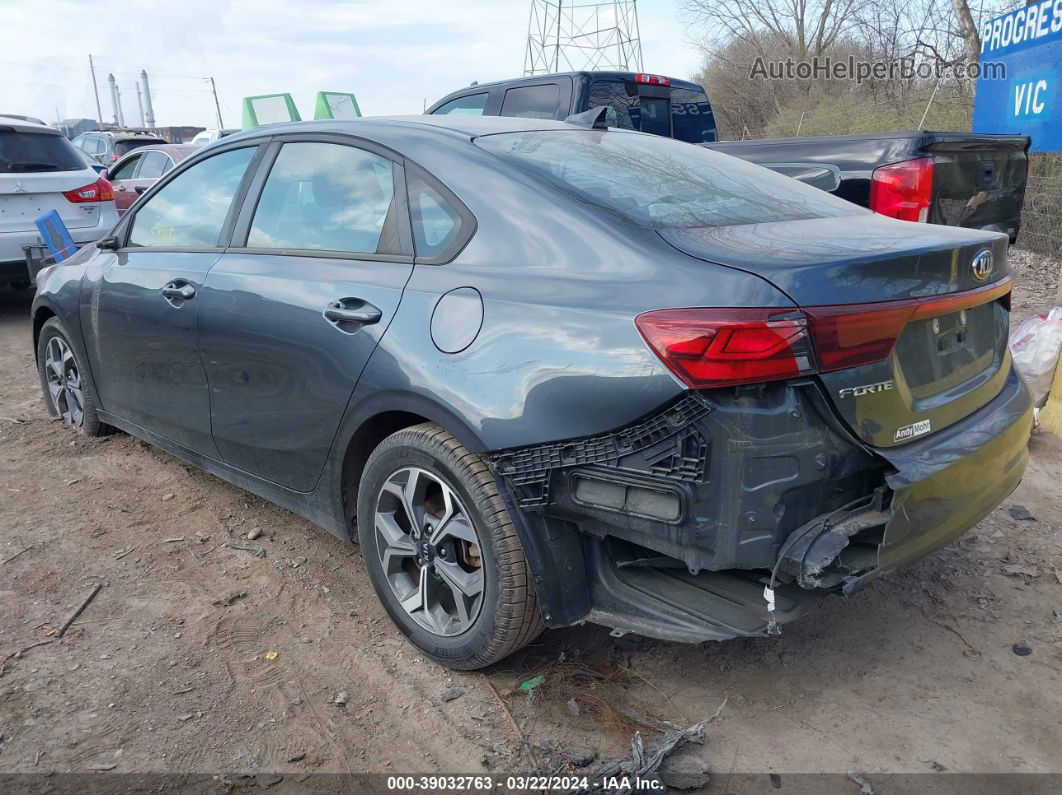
(41, 171)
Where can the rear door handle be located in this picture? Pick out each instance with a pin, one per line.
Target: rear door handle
(178, 291)
(352, 311)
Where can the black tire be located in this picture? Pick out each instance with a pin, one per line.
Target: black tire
(508, 616)
(86, 420)
(19, 287)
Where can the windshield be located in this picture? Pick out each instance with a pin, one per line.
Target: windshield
(26, 152)
(661, 183)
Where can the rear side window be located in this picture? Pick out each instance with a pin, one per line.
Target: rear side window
(329, 197)
(438, 225)
(469, 105)
(27, 152)
(531, 102)
(190, 211)
(153, 165)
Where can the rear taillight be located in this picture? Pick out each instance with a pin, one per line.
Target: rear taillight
(652, 80)
(903, 190)
(724, 347)
(851, 336)
(99, 191)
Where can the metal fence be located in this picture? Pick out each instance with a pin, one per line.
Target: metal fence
(1041, 218)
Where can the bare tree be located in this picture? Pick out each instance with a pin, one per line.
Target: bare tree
(806, 28)
(967, 30)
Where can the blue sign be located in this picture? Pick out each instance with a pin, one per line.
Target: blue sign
(1027, 44)
(55, 236)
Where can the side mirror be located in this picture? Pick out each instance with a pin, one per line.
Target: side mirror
(108, 243)
(140, 189)
(101, 170)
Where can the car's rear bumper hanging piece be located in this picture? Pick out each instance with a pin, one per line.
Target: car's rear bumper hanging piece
(673, 527)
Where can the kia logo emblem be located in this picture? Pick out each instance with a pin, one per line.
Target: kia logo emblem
(982, 265)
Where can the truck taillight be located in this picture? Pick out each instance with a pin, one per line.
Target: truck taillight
(99, 191)
(903, 190)
(652, 80)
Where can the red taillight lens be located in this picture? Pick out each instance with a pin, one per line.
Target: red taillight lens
(903, 190)
(724, 347)
(850, 336)
(652, 80)
(99, 191)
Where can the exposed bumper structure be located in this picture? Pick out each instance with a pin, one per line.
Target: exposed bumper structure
(673, 527)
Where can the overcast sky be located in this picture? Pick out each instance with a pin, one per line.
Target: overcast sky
(393, 54)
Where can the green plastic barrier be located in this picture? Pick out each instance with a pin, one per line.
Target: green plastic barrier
(336, 105)
(268, 109)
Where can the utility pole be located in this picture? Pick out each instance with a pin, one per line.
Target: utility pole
(217, 106)
(96, 91)
(139, 103)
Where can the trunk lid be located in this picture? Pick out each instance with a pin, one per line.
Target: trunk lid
(978, 180)
(950, 357)
(27, 196)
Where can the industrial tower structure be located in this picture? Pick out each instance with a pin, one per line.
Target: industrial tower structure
(573, 35)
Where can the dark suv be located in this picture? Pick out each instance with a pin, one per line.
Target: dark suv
(634, 101)
(549, 374)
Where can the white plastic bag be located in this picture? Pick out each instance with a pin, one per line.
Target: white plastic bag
(1035, 345)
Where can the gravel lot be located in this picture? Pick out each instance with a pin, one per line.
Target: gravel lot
(208, 651)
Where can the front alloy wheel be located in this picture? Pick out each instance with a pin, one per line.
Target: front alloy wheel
(64, 382)
(429, 551)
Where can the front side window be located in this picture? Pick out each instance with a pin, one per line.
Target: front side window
(531, 102)
(329, 197)
(190, 210)
(470, 105)
(125, 169)
(661, 183)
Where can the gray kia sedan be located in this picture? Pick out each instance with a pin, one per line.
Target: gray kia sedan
(549, 374)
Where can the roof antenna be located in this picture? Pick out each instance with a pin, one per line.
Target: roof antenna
(593, 119)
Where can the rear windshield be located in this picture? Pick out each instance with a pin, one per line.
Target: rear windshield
(24, 152)
(660, 183)
(681, 113)
(129, 144)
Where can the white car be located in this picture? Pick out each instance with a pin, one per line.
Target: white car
(41, 171)
(210, 136)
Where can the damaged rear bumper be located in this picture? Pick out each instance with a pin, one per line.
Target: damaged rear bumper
(673, 527)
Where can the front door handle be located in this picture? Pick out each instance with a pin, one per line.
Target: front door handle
(178, 291)
(352, 311)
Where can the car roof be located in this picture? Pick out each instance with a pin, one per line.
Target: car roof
(467, 126)
(171, 149)
(25, 125)
(593, 75)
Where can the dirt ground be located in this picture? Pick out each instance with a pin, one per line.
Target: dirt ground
(206, 651)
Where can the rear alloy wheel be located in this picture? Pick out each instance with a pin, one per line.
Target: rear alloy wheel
(67, 388)
(429, 551)
(442, 552)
